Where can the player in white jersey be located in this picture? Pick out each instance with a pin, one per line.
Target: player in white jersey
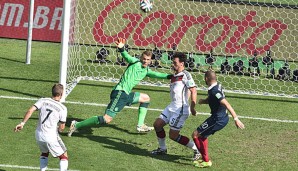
(176, 113)
(52, 118)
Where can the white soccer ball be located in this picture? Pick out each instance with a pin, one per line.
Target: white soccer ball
(146, 5)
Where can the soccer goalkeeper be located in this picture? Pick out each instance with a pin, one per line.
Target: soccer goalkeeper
(122, 94)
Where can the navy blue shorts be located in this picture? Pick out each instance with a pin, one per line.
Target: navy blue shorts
(212, 125)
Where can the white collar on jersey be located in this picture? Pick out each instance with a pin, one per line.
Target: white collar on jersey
(212, 85)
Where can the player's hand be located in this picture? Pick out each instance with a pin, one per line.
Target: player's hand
(193, 112)
(18, 127)
(239, 124)
(120, 42)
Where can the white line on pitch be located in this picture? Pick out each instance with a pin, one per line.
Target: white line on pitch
(27, 167)
(130, 107)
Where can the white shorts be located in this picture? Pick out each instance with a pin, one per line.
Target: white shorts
(175, 119)
(56, 148)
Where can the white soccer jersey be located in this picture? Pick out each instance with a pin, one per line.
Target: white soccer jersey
(179, 86)
(51, 112)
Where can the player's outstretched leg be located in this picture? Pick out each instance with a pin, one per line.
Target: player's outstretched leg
(95, 120)
(72, 128)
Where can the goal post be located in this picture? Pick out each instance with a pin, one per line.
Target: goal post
(65, 41)
(29, 37)
(251, 45)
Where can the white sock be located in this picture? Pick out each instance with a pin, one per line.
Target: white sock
(192, 145)
(162, 143)
(43, 163)
(63, 165)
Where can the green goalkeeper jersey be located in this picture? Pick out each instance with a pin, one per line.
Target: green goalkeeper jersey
(134, 73)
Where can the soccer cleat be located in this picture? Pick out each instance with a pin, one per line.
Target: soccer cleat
(196, 155)
(72, 128)
(204, 164)
(159, 151)
(144, 128)
(195, 162)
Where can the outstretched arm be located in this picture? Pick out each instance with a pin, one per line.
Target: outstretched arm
(238, 123)
(26, 118)
(153, 74)
(120, 44)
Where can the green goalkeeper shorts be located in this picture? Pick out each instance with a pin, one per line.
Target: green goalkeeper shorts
(118, 100)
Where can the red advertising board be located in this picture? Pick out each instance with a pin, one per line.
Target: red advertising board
(255, 29)
(47, 25)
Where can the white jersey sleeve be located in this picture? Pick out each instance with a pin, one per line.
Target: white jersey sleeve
(63, 116)
(188, 80)
(38, 104)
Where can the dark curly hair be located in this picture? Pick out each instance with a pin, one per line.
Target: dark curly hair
(182, 57)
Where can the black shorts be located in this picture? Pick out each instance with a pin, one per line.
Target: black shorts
(212, 125)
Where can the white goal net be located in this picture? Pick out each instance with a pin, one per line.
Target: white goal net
(252, 45)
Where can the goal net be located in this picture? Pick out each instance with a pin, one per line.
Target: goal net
(251, 45)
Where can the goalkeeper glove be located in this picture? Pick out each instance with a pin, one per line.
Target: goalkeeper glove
(120, 44)
(169, 76)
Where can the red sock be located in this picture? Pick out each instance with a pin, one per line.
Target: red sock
(183, 140)
(197, 143)
(161, 134)
(202, 145)
(204, 148)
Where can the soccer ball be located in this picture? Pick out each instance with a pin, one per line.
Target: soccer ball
(146, 5)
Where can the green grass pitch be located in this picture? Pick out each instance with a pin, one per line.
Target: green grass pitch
(263, 145)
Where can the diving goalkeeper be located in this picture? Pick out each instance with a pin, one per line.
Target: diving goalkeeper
(122, 94)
